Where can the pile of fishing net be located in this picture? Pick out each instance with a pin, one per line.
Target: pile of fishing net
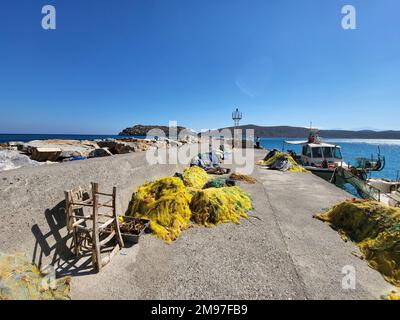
(281, 161)
(217, 205)
(171, 202)
(195, 177)
(214, 183)
(393, 295)
(21, 280)
(375, 228)
(243, 177)
(165, 202)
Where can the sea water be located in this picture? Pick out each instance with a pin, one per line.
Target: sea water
(352, 149)
(29, 137)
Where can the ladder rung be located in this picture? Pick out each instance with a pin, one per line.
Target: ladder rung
(78, 205)
(109, 237)
(106, 204)
(77, 223)
(83, 228)
(107, 223)
(107, 214)
(82, 217)
(105, 194)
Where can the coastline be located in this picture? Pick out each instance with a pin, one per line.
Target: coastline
(17, 154)
(352, 148)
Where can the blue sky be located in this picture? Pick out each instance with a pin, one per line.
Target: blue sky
(112, 64)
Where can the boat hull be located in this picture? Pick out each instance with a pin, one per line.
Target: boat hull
(325, 174)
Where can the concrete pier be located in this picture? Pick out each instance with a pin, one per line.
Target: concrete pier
(280, 252)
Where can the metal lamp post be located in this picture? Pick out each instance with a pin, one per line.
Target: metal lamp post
(236, 117)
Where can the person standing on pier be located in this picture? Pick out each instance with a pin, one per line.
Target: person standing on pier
(258, 140)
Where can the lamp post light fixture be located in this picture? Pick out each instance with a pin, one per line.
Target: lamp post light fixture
(236, 117)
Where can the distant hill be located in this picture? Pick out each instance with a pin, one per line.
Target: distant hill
(299, 132)
(278, 132)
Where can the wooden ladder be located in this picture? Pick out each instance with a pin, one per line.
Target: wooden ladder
(94, 231)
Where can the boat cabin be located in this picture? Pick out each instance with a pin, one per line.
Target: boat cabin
(317, 153)
(313, 154)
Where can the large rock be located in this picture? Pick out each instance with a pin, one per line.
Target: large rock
(69, 148)
(45, 154)
(143, 145)
(117, 147)
(101, 152)
(15, 145)
(121, 146)
(189, 139)
(10, 159)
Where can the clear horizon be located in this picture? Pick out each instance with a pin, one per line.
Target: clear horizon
(250, 124)
(110, 66)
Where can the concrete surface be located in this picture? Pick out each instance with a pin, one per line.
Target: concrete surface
(32, 218)
(280, 252)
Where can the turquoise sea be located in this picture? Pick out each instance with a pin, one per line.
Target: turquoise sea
(354, 148)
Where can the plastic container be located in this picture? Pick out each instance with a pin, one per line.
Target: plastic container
(131, 239)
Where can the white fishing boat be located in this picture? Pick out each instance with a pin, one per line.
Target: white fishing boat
(317, 156)
(326, 161)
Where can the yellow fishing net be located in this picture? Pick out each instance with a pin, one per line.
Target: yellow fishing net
(195, 177)
(165, 202)
(21, 280)
(171, 202)
(394, 295)
(375, 228)
(279, 156)
(217, 205)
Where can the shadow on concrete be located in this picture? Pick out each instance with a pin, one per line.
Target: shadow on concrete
(56, 244)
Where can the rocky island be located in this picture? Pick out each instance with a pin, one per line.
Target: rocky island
(140, 130)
